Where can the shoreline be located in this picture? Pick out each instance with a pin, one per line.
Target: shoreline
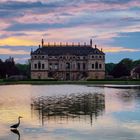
(99, 82)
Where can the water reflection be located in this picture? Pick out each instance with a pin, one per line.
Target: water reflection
(69, 106)
(114, 112)
(15, 131)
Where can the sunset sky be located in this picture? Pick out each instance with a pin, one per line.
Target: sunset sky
(114, 25)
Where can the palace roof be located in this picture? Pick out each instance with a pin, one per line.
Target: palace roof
(55, 50)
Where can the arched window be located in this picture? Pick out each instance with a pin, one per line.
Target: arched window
(67, 65)
(50, 66)
(39, 65)
(56, 66)
(100, 66)
(92, 66)
(35, 66)
(78, 66)
(84, 66)
(96, 65)
(43, 66)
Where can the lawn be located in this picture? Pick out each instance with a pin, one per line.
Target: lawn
(46, 82)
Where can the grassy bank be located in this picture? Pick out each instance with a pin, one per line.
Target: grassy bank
(45, 82)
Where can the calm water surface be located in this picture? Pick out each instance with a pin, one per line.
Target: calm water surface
(70, 112)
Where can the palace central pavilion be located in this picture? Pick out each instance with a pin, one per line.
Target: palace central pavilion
(67, 62)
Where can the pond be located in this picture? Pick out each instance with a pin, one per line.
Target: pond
(70, 112)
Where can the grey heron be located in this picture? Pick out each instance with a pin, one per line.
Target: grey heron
(15, 126)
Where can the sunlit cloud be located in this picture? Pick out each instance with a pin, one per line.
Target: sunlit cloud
(119, 49)
(12, 41)
(11, 52)
(25, 22)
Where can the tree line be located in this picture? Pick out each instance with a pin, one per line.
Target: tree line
(121, 69)
(9, 68)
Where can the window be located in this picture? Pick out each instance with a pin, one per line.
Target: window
(96, 65)
(92, 56)
(35, 66)
(56, 66)
(43, 66)
(39, 65)
(67, 65)
(73, 66)
(84, 66)
(78, 66)
(39, 52)
(50, 66)
(78, 57)
(92, 66)
(61, 66)
(42, 57)
(100, 66)
(100, 56)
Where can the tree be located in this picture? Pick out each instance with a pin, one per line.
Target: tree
(136, 63)
(109, 67)
(10, 67)
(123, 68)
(128, 63)
(24, 69)
(2, 69)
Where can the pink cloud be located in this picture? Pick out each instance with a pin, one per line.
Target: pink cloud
(12, 52)
(115, 49)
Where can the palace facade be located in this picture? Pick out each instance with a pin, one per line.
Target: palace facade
(67, 62)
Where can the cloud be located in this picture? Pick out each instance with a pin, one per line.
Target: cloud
(12, 5)
(19, 60)
(119, 49)
(12, 41)
(11, 52)
(25, 22)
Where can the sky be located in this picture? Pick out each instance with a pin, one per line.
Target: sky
(114, 26)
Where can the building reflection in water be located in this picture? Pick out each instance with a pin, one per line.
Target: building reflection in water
(69, 106)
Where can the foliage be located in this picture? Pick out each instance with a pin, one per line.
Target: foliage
(9, 68)
(24, 69)
(109, 67)
(136, 63)
(124, 67)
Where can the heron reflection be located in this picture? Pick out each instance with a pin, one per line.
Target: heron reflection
(69, 106)
(15, 131)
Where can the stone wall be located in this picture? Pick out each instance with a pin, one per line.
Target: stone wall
(96, 74)
(39, 74)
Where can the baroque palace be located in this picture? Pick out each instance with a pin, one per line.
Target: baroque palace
(67, 62)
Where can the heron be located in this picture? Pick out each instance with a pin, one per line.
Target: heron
(15, 126)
